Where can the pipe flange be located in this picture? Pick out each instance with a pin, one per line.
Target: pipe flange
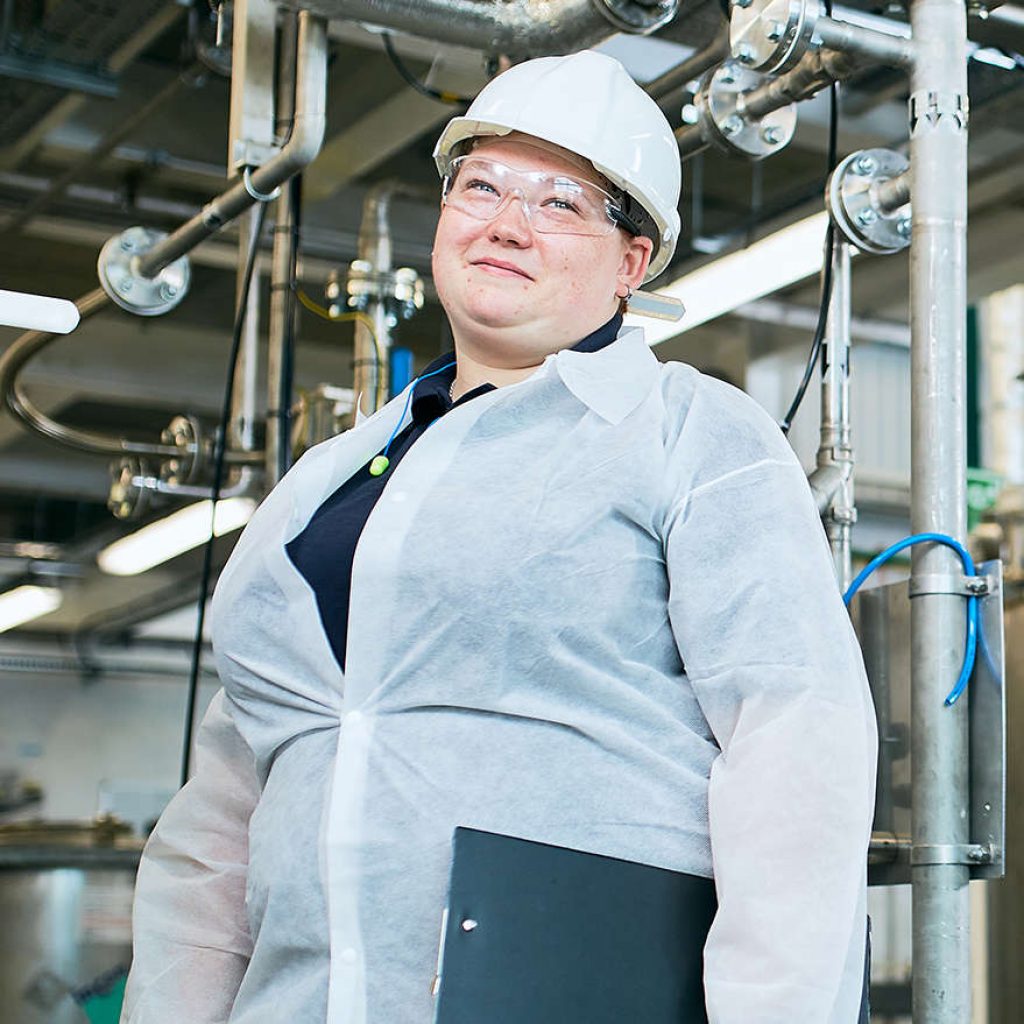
(120, 279)
(724, 124)
(127, 500)
(771, 36)
(638, 16)
(185, 433)
(853, 205)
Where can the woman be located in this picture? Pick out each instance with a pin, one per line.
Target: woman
(560, 591)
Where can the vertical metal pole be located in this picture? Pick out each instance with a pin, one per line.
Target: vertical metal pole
(835, 449)
(242, 425)
(939, 737)
(375, 248)
(282, 309)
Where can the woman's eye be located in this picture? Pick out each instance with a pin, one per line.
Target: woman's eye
(479, 185)
(558, 203)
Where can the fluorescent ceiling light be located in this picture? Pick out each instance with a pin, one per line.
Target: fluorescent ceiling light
(26, 603)
(988, 55)
(781, 259)
(38, 313)
(173, 535)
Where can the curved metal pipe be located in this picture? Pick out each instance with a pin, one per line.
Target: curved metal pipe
(30, 344)
(515, 28)
(302, 146)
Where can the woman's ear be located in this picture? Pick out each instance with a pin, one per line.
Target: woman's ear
(636, 256)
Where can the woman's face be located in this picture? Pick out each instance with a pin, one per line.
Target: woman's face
(518, 294)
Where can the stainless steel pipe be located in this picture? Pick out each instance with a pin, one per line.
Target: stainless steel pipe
(865, 43)
(894, 193)
(835, 449)
(939, 734)
(303, 144)
(281, 324)
(371, 348)
(515, 28)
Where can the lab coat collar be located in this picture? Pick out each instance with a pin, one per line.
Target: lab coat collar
(614, 380)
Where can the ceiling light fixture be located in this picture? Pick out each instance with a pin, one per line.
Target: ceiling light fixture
(782, 258)
(38, 312)
(22, 604)
(173, 535)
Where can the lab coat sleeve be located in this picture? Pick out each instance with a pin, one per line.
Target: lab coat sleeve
(191, 937)
(769, 650)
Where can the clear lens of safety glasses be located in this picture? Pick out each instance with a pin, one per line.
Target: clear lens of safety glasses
(554, 203)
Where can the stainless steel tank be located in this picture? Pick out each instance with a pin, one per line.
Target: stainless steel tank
(65, 920)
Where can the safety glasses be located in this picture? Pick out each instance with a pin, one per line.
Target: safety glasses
(553, 203)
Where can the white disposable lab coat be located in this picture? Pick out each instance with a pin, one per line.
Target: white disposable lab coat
(595, 608)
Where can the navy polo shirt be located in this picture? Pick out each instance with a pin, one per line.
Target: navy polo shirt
(323, 552)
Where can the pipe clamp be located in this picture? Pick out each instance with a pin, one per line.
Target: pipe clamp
(923, 854)
(941, 583)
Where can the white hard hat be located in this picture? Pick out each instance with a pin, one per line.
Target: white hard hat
(588, 104)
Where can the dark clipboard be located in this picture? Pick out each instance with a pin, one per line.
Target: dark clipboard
(539, 934)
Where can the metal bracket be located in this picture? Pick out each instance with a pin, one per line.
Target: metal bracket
(942, 583)
(953, 853)
(251, 141)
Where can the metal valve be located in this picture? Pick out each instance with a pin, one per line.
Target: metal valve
(400, 290)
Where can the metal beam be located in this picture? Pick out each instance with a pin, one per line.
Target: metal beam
(60, 74)
(11, 156)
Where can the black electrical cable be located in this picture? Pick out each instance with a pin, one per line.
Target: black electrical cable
(218, 478)
(825, 295)
(424, 90)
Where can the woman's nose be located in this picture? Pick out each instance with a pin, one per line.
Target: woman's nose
(511, 224)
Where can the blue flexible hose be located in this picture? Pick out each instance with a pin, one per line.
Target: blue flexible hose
(972, 601)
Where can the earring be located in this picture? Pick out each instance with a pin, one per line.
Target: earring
(627, 296)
